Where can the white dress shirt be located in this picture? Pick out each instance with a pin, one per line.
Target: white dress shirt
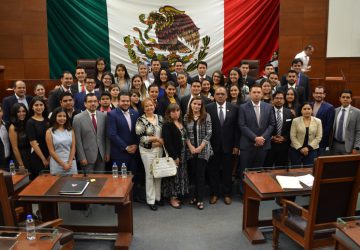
(304, 58)
(223, 109)
(346, 115)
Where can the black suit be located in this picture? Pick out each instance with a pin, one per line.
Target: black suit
(164, 103)
(172, 140)
(196, 78)
(184, 103)
(279, 152)
(249, 81)
(54, 96)
(8, 102)
(224, 138)
(300, 91)
(304, 82)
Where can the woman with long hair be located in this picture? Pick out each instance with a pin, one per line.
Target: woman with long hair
(148, 128)
(60, 140)
(199, 129)
(122, 77)
(153, 91)
(266, 90)
(36, 129)
(135, 102)
(106, 80)
(174, 135)
(218, 79)
(291, 102)
(168, 98)
(207, 90)
(17, 134)
(114, 91)
(184, 87)
(99, 70)
(4, 142)
(138, 85)
(143, 71)
(235, 96)
(161, 79)
(234, 79)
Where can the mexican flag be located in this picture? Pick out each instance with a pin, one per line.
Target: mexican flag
(222, 33)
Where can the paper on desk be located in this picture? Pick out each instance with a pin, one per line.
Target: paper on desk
(289, 182)
(308, 179)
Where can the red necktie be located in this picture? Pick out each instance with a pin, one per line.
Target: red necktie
(82, 88)
(94, 121)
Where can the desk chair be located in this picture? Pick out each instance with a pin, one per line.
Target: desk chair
(8, 215)
(334, 194)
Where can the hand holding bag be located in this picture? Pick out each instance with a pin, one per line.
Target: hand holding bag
(164, 166)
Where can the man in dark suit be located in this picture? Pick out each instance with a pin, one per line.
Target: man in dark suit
(326, 113)
(121, 130)
(224, 142)
(291, 83)
(256, 122)
(19, 96)
(202, 68)
(268, 68)
(302, 79)
(245, 79)
(89, 88)
(155, 69)
(278, 155)
(54, 96)
(195, 91)
(179, 68)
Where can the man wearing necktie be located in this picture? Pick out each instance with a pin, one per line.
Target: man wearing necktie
(256, 122)
(346, 129)
(92, 144)
(202, 68)
(225, 143)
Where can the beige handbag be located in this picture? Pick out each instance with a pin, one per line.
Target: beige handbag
(163, 166)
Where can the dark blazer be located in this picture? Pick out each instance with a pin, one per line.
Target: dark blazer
(326, 114)
(8, 102)
(249, 81)
(304, 82)
(80, 98)
(164, 103)
(300, 91)
(74, 88)
(250, 128)
(54, 98)
(185, 102)
(196, 78)
(119, 134)
(224, 137)
(172, 140)
(286, 124)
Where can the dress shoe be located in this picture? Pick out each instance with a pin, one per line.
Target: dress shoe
(213, 199)
(153, 207)
(160, 203)
(227, 200)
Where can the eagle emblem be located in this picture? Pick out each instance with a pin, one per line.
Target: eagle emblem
(177, 37)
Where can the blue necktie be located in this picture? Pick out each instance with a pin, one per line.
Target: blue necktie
(339, 134)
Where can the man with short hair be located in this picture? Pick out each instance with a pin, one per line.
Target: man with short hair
(268, 68)
(256, 122)
(302, 79)
(80, 75)
(195, 91)
(67, 103)
(105, 101)
(92, 143)
(304, 56)
(224, 142)
(291, 83)
(325, 112)
(19, 96)
(274, 81)
(90, 84)
(346, 129)
(179, 68)
(201, 69)
(54, 96)
(245, 79)
(155, 69)
(278, 155)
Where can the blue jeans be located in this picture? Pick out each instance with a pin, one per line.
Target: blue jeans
(297, 158)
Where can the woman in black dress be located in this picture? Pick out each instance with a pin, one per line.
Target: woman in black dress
(19, 141)
(168, 98)
(174, 136)
(36, 130)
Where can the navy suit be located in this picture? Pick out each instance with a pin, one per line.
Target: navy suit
(8, 102)
(80, 98)
(120, 137)
(326, 114)
(303, 81)
(252, 156)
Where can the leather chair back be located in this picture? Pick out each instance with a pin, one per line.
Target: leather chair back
(254, 66)
(90, 66)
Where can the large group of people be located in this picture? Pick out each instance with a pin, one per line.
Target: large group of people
(210, 125)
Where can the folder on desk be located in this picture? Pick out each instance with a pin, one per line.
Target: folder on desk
(74, 187)
(294, 182)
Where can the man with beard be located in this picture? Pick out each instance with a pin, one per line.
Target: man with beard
(291, 79)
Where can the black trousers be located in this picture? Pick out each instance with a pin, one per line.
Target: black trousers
(220, 173)
(198, 170)
(278, 155)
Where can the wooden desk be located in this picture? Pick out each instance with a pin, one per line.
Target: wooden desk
(259, 186)
(348, 237)
(38, 244)
(105, 190)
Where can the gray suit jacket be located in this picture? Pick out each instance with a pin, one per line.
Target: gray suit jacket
(250, 128)
(88, 141)
(352, 129)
